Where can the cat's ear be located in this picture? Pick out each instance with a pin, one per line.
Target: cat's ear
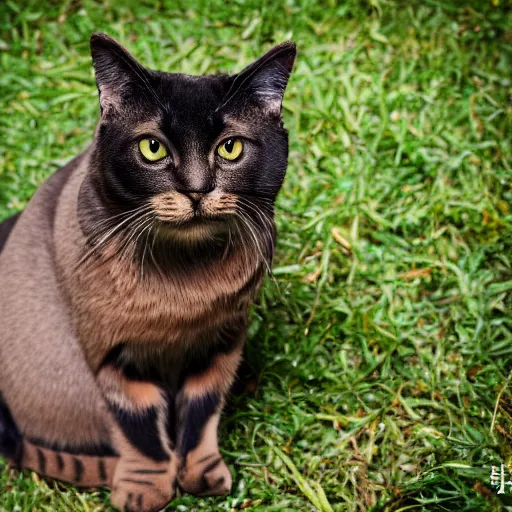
(265, 80)
(118, 74)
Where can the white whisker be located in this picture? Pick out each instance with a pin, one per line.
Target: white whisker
(105, 237)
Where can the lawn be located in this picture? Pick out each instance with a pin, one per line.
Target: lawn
(382, 343)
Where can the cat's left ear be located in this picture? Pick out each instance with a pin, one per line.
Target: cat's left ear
(265, 80)
(119, 76)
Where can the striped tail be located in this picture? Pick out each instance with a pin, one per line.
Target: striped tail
(79, 470)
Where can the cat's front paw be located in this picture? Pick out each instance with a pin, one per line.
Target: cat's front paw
(137, 498)
(208, 476)
(139, 487)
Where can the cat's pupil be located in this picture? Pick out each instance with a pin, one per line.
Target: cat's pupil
(154, 146)
(229, 145)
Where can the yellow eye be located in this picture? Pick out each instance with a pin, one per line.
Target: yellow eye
(231, 149)
(152, 149)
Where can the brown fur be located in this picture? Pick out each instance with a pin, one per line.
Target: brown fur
(80, 317)
(130, 395)
(111, 303)
(136, 475)
(206, 462)
(219, 376)
(81, 470)
(30, 280)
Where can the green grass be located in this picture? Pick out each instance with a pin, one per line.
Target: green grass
(381, 346)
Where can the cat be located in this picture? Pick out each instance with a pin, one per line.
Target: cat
(126, 281)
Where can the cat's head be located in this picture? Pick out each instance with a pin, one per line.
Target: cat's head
(196, 155)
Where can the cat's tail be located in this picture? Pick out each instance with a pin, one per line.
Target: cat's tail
(77, 469)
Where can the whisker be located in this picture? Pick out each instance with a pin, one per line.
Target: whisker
(134, 230)
(271, 275)
(108, 220)
(151, 253)
(106, 236)
(248, 224)
(149, 228)
(242, 238)
(262, 215)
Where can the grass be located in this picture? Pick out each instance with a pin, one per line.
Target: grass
(378, 353)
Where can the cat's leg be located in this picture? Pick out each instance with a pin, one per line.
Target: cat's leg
(199, 405)
(145, 475)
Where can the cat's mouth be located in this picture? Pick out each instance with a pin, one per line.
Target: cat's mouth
(198, 213)
(194, 219)
(194, 230)
(194, 222)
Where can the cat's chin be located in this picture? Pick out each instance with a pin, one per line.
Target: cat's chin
(192, 232)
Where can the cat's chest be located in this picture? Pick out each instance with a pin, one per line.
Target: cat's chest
(115, 304)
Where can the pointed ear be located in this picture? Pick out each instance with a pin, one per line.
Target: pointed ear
(265, 80)
(118, 74)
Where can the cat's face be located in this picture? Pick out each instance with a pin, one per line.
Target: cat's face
(192, 152)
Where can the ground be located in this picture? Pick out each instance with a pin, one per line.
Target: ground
(382, 343)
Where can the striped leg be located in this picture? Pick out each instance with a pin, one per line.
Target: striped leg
(145, 476)
(199, 404)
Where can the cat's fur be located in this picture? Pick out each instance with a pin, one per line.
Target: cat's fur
(122, 312)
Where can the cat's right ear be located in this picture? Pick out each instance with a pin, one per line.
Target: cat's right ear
(117, 73)
(265, 80)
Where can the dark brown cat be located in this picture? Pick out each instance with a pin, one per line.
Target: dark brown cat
(126, 281)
